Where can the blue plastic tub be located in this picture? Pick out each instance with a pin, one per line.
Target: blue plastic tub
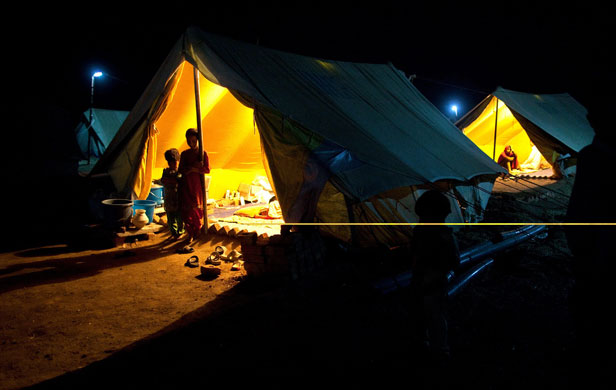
(156, 194)
(147, 205)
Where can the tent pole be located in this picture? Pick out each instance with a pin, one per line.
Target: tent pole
(495, 127)
(90, 120)
(200, 137)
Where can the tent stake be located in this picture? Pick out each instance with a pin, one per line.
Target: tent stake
(200, 137)
(495, 127)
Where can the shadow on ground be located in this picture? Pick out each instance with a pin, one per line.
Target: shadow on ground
(66, 269)
(318, 330)
(508, 328)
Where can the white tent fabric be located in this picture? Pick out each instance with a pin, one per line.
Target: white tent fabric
(371, 110)
(559, 115)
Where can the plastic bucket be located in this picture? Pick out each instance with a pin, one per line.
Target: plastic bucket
(117, 212)
(156, 194)
(147, 205)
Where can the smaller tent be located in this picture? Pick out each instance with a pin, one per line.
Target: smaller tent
(105, 125)
(540, 128)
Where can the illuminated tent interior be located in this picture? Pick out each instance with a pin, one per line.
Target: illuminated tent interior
(339, 142)
(230, 135)
(540, 128)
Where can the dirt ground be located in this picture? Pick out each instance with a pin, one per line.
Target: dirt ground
(137, 315)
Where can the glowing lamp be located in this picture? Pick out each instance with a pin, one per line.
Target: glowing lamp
(96, 74)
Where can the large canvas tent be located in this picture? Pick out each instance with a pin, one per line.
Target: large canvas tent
(105, 125)
(555, 124)
(340, 142)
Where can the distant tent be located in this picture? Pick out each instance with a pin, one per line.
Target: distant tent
(555, 124)
(340, 142)
(105, 125)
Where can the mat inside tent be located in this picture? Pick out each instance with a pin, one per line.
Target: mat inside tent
(545, 173)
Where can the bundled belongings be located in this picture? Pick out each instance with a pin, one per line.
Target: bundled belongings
(270, 211)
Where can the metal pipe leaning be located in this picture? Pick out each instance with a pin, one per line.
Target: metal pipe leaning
(480, 251)
(456, 284)
(467, 258)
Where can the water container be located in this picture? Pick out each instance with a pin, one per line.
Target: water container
(156, 194)
(147, 205)
(117, 212)
(139, 219)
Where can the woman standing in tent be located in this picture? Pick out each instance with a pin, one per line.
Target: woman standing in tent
(192, 169)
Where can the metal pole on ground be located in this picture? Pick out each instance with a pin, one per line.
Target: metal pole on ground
(200, 137)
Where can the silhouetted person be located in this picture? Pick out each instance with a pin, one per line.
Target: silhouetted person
(435, 254)
(593, 297)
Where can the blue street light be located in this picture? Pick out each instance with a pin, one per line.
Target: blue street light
(95, 75)
(454, 108)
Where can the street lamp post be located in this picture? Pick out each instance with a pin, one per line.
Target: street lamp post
(90, 130)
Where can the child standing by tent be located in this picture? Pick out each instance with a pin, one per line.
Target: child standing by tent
(170, 181)
(192, 168)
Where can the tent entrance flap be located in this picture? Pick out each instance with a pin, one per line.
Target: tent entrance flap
(230, 136)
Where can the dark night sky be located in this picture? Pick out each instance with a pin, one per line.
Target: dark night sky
(459, 53)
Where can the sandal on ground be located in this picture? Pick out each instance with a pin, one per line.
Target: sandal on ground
(213, 259)
(234, 256)
(220, 250)
(193, 261)
(186, 249)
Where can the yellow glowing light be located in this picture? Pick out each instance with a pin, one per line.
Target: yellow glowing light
(327, 65)
(509, 132)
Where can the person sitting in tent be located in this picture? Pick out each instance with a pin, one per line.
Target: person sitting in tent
(170, 181)
(191, 188)
(508, 159)
(434, 254)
